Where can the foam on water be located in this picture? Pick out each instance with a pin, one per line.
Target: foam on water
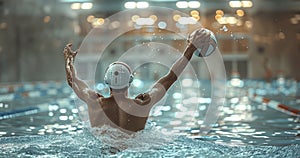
(148, 143)
(149, 138)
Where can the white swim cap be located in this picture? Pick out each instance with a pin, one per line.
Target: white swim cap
(118, 75)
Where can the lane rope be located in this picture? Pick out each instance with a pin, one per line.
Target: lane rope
(38, 108)
(275, 105)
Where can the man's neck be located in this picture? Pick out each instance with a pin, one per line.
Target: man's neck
(119, 93)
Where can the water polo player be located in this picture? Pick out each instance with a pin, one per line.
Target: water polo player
(118, 110)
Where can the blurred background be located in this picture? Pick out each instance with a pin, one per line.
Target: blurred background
(259, 39)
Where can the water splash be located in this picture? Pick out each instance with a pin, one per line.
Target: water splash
(151, 137)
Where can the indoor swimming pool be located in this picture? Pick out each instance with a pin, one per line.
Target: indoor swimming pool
(41, 120)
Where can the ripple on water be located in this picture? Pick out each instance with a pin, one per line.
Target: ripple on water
(149, 143)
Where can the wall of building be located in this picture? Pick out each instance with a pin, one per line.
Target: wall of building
(34, 33)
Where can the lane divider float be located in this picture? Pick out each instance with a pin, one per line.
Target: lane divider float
(38, 108)
(35, 94)
(275, 105)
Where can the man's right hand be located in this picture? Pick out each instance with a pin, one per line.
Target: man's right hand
(68, 53)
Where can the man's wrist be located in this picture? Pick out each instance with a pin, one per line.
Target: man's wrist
(191, 47)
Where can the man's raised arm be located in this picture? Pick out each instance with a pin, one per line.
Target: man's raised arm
(81, 89)
(160, 88)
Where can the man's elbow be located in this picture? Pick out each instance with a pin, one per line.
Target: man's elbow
(172, 76)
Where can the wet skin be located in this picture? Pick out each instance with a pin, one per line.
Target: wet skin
(130, 115)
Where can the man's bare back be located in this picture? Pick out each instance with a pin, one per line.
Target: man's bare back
(114, 115)
(117, 110)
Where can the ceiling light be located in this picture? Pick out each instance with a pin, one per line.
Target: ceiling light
(247, 4)
(182, 4)
(86, 5)
(98, 21)
(196, 17)
(130, 5)
(176, 17)
(218, 17)
(90, 18)
(239, 4)
(194, 4)
(240, 12)
(219, 12)
(74, 1)
(75, 6)
(154, 17)
(294, 20)
(194, 12)
(235, 4)
(163, 0)
(142, 4)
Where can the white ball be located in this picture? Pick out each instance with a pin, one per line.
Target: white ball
(205, 42)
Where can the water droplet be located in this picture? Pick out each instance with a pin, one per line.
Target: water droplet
(224, 28)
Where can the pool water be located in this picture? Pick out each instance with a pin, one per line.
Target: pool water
(84, 145)
(41, 120)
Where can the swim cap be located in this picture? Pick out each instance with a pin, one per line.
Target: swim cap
(118, 75)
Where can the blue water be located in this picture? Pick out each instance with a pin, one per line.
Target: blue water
(86, 145)
(41, 120)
